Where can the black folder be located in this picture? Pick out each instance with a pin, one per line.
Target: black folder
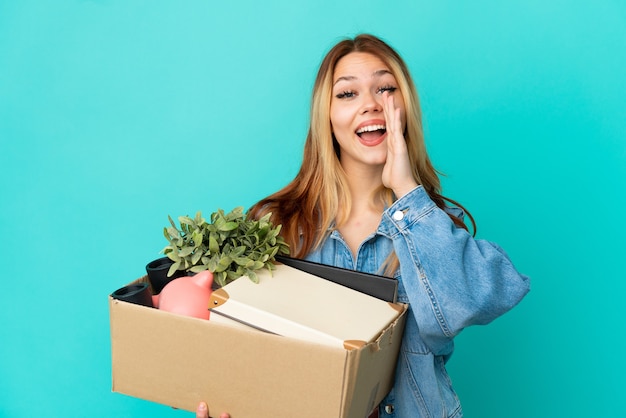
(380, 287)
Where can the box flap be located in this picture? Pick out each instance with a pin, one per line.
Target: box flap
(370, 372)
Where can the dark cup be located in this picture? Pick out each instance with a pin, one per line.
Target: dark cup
(135, 293)
(157, 273)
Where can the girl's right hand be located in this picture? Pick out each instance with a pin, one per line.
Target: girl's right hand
(203, 411)
(397, 173)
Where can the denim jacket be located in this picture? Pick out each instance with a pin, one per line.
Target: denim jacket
(450, 281)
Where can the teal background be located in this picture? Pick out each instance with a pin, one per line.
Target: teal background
(114, 114)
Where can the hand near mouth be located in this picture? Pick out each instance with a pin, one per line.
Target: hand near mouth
(397, 173)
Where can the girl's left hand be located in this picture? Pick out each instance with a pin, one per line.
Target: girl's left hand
(397, 173)
(203, 411)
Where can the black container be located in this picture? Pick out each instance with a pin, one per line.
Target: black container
(157, 273)
(135, 293)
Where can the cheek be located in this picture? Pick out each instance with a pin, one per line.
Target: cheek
(339, 119)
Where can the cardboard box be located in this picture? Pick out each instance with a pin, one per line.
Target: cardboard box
(180, 361)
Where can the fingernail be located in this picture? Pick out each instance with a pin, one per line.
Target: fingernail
(202, 406)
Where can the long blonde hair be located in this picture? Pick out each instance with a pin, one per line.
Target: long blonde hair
(309, 205)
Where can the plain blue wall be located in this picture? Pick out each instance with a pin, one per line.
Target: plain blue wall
(114, 114)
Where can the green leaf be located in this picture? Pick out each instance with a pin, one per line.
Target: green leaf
(220, 278)
(186, 252)
(172, 232)
(197, 238)
(238, 251)
(167, 235)
(214, 247)
(225, 260)
(236, 213)
(173, 268)
(223, 264)
(253, 276)
(173, 255)
(199, 220)
(228, 226)
(195, 258)
(212, 264)
(240, 261)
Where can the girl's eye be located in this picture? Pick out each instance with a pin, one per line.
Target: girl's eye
(390, 89)
(345, 95)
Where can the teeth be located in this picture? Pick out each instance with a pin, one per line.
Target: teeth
(370, 128)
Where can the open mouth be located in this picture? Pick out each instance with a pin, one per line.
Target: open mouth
(372, 134)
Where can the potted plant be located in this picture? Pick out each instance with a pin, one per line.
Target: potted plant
(230, 245)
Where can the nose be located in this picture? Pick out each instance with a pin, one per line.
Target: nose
(371, 103)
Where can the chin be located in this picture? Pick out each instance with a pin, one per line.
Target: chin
(380, 161)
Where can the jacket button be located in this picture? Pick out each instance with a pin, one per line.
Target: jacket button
(398, 215)
(389, 408)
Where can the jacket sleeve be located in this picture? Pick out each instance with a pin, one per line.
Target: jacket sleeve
(451, 279)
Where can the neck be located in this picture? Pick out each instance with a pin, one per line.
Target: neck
(363, 184)
(363, 217)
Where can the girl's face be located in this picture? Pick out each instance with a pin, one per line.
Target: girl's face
(356, 110)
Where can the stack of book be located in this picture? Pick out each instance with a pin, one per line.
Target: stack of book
(304, 300)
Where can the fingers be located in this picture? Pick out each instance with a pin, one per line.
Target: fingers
(388, 106)
(202, 411)
(397, 172)
(392, 117)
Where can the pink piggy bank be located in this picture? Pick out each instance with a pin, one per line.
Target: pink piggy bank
(188, 295)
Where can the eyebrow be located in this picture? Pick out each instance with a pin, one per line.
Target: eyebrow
(377, 73)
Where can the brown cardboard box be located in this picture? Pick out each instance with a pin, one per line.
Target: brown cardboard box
(179, 361)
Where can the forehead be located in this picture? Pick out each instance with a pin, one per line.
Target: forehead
(359, 65)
